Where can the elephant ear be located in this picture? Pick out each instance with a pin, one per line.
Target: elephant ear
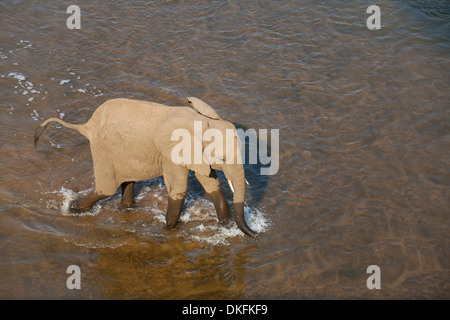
(177, 141)
(203, 108)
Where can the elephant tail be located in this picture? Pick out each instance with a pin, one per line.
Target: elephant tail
(81, 128)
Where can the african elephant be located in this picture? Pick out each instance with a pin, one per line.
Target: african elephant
(132, 140)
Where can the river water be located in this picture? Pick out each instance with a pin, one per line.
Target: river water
(364, 149)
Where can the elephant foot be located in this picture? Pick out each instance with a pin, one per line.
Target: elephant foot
(74, 207)
(172, 226)
(173, 212)
(85, 203)
(225, 222)
(127, 205)
(127, 200)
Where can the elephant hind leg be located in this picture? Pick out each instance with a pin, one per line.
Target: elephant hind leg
(86, 203)
(175, 178)
(127, 200)
(105, 186)
(213, 189)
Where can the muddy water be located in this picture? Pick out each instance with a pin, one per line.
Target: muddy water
(364, 171)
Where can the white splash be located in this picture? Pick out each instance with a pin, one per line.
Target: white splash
(25, 43)
(35, 115)
(56, 145)
(198, 222)
(206, 228)
(17, 76)
(68, 195)
(256, 219)
(61, 114)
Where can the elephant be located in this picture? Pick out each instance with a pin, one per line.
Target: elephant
(132, 140)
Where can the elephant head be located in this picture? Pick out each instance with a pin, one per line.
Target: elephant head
(203, 142)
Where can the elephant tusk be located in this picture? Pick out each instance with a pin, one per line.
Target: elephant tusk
(247, 182)
(231, 185)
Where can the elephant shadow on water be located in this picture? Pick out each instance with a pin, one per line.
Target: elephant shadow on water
(253, 173)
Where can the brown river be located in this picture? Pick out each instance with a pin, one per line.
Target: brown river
(364, 149)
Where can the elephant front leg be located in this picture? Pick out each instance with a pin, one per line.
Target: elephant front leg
(221, 205)
(127, 200)
(213, 189)
(175, 178)
(174, 212)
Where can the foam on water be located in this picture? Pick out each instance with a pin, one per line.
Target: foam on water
(17, 75)
(206, 228)
(34, 93)
(198, 221)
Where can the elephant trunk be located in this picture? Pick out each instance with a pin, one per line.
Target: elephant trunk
(240, 220)
(238, 184)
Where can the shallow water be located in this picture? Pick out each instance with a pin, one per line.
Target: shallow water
(364, 171)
